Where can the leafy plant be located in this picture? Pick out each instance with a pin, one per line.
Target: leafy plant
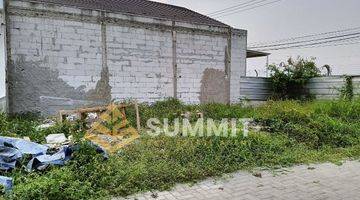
(347, 91)
(288, 80)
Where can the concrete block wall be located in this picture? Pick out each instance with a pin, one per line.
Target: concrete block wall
(2, 62)
(64, 58)
(52, 58)
(2, 104)
(202, 73)
(140, 63)
(195, 54)
(238, 63)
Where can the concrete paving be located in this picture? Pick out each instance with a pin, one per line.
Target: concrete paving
(316, 182)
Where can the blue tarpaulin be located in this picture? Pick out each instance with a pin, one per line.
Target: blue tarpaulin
(24, 146)
(12, 149)
(8, 157)
(42, 161)
(6, 182)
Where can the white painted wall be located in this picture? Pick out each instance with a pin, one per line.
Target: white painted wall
(2, 60)
(140, 63)
(56, 58)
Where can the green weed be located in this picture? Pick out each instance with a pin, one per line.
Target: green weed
(294, 133)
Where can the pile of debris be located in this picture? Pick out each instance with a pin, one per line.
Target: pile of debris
(12, 150)
(109, 131)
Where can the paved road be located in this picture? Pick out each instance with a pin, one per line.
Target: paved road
(315, 182)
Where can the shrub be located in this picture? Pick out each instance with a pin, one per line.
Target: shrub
(288, 80)
(347, 92)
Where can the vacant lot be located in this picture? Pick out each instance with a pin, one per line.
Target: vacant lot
(292, 133)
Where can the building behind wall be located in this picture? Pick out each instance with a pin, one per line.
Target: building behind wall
(68, 54)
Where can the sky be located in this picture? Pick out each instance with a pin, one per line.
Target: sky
(291, 18)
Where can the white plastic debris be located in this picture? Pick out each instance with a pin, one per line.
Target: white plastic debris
(71, 138)
(92, 116)
(72, 118)
(47, 124)
(56, 139)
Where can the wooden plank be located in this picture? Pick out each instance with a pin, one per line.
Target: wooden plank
(82, 112)
(138, 125)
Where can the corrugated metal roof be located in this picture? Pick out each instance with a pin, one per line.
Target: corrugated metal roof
(255, 54)
(142, 8)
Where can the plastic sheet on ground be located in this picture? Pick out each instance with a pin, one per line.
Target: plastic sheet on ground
(24, 146)
(8, 157)
(43, 161)
(6, 182)
(11, 149)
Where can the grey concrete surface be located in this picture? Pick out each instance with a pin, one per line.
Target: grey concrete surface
(318, 182)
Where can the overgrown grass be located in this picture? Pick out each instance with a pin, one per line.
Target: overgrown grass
(172, 109)
(317, 124)
(26, 126)
(295, 133)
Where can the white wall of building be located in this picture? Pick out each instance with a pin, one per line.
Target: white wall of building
(63, 62)
(2, 60)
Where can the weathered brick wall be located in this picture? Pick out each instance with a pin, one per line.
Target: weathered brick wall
(63, 58)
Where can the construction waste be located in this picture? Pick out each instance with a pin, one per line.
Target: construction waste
(47, 124)
(57, 140)
(109, 132)
(109, 127)
(12, 150)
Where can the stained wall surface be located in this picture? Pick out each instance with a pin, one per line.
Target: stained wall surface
(65, 58)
